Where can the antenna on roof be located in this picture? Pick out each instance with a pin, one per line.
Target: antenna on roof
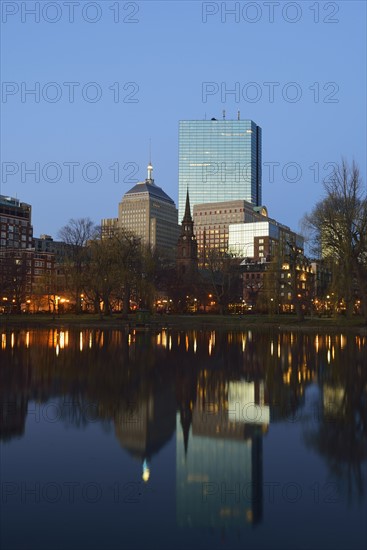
(224, 114)
(150, 167)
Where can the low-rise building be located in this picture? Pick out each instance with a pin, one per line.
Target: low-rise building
(212, 222)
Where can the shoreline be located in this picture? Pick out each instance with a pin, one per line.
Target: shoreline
(186, 322)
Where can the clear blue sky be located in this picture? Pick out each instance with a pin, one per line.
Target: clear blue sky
(168, 53)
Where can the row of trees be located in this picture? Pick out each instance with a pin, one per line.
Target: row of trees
(106, 271)
(120, 268)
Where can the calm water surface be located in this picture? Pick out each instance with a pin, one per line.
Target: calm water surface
(178, 439)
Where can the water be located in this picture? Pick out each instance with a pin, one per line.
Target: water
(176, 439)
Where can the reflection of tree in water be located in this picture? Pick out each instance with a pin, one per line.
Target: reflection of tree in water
(115, 374)
(339, 434)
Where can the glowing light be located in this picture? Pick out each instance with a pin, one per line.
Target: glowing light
(244, 339)
(81, 341)
(146, 472)
(164, 339)
(343, 341)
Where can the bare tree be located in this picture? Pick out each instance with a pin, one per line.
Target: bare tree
(76, 234)
(224, 274)
(338, 230)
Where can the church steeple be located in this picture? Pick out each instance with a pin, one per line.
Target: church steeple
(187, 216)
(187, 221)
(187, 249)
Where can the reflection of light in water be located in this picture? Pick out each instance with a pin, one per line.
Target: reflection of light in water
(27, 339)
(178, 339)
(211, 341)
(187, 342)
(272, 348)
(329, 342)
(159, 339)
(195, 342)
(317, 342)
(287, 376)
(170, 342)
(81, 341)
(292, 337)
(250, 336)
(3, 341)
(146, 471)
(62, 340)
(289, 357)
(333, 352)
(361, 342)
(12, 339)
(57, 349)
(342, 341)
(164, 339)
(328, 356)
(244, 338)
(90, 341)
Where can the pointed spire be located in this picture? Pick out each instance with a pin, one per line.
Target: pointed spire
(187, 216)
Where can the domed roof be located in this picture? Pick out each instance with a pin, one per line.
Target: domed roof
(149, 187)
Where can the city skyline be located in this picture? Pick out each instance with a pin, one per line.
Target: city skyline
(89, 143)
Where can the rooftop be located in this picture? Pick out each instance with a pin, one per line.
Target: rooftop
(150, 188)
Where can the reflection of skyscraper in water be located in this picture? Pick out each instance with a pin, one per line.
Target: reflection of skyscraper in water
(146, 425)
(219, 468)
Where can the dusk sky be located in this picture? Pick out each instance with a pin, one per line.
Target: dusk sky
(298, 69)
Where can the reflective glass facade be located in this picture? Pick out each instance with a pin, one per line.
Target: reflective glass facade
(219, 160)
(245, 238)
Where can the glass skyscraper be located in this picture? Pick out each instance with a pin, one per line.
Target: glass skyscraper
(219, 160)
